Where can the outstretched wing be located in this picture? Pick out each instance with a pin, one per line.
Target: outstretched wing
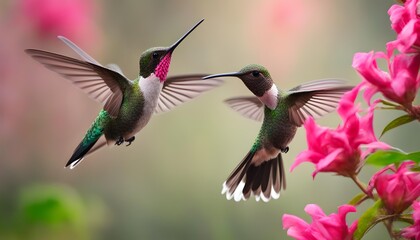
(79, 51)
(86, 57)
(102, 84)
(179, 89)
(315, 99)
(250, 107)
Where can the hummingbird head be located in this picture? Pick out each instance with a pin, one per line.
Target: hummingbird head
(255, 77)
(157, 60)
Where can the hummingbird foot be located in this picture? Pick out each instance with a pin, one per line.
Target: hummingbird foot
(119, 141)
(284, 150)
(130, 140)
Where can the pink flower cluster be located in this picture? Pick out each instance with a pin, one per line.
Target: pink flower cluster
(397, 190)
(413, 231)
(405, 20)
(400, 84)
(343, 150)
(402, 80)
(340, 150)
(325, 227)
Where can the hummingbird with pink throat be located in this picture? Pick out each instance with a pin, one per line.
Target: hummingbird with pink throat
(128, 104)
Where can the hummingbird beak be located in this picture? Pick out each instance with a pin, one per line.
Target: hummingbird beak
(172, 48)
(231, 74)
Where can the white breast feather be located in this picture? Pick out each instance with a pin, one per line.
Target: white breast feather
(150, 88)
(270, 97)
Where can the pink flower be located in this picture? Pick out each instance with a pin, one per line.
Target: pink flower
(339, 150)
(323, 227)
(408, 41)
(288, 24)
(405, 20)
(399, 189)
(413, 231)
(401, 15)
(400, 84)
(72, 18)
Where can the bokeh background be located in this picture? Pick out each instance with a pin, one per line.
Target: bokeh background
(167, 184)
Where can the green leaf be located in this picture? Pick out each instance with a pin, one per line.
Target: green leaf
(386, 157)
(369, 219)
(356, 200)
(398, 122)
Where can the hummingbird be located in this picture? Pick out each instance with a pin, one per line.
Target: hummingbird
(261, 171)
(128, 104)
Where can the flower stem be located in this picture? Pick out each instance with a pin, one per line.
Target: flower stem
(388, 225)
(361, 185)
(387, 221)
(414, 111)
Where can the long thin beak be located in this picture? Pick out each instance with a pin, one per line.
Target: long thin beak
(172, 48)
(231, 74)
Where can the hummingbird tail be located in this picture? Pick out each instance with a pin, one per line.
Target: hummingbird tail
(264, 181)
(90, 142)
(81, 150)
(88, 145)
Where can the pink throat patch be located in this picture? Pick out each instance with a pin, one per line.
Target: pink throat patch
(162, 69)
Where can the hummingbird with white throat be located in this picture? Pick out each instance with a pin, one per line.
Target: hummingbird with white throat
(261, 172)
(128, 104)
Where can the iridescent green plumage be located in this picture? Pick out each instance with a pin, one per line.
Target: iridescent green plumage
(97, 128)
(128, 104)
(91, 137)
(261, 172)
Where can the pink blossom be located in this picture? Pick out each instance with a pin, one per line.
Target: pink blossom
(400, 84)
(340, 150)
(413, 231)
(408, 40)
(324, 227)
(399, 189)
(72, 18)
(288, 24)
(401, 15)
(405, 20)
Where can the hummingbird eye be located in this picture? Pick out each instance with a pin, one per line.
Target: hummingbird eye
(255, 73)
(155, 55)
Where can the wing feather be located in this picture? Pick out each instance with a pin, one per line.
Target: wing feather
(179, 89)
(79, 51)
(98, 82)
(315, 99)
(250, 107)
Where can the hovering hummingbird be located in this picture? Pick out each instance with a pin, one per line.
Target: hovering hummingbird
(128, 104)
(261, 172)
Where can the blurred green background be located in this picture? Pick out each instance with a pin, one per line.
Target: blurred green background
(167, 184)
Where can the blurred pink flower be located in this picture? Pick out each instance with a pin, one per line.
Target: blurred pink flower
(324, 227)
(397, 190)
(72, 18)
(339, 150)
(413, 232)
(405, 20)
(280, 28)
(400, 84)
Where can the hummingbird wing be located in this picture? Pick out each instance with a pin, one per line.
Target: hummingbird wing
(250, 107)
(114, 67)
(100, 83)
(79, 51)
(87, 57)
(314, 99)
(182, 88)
